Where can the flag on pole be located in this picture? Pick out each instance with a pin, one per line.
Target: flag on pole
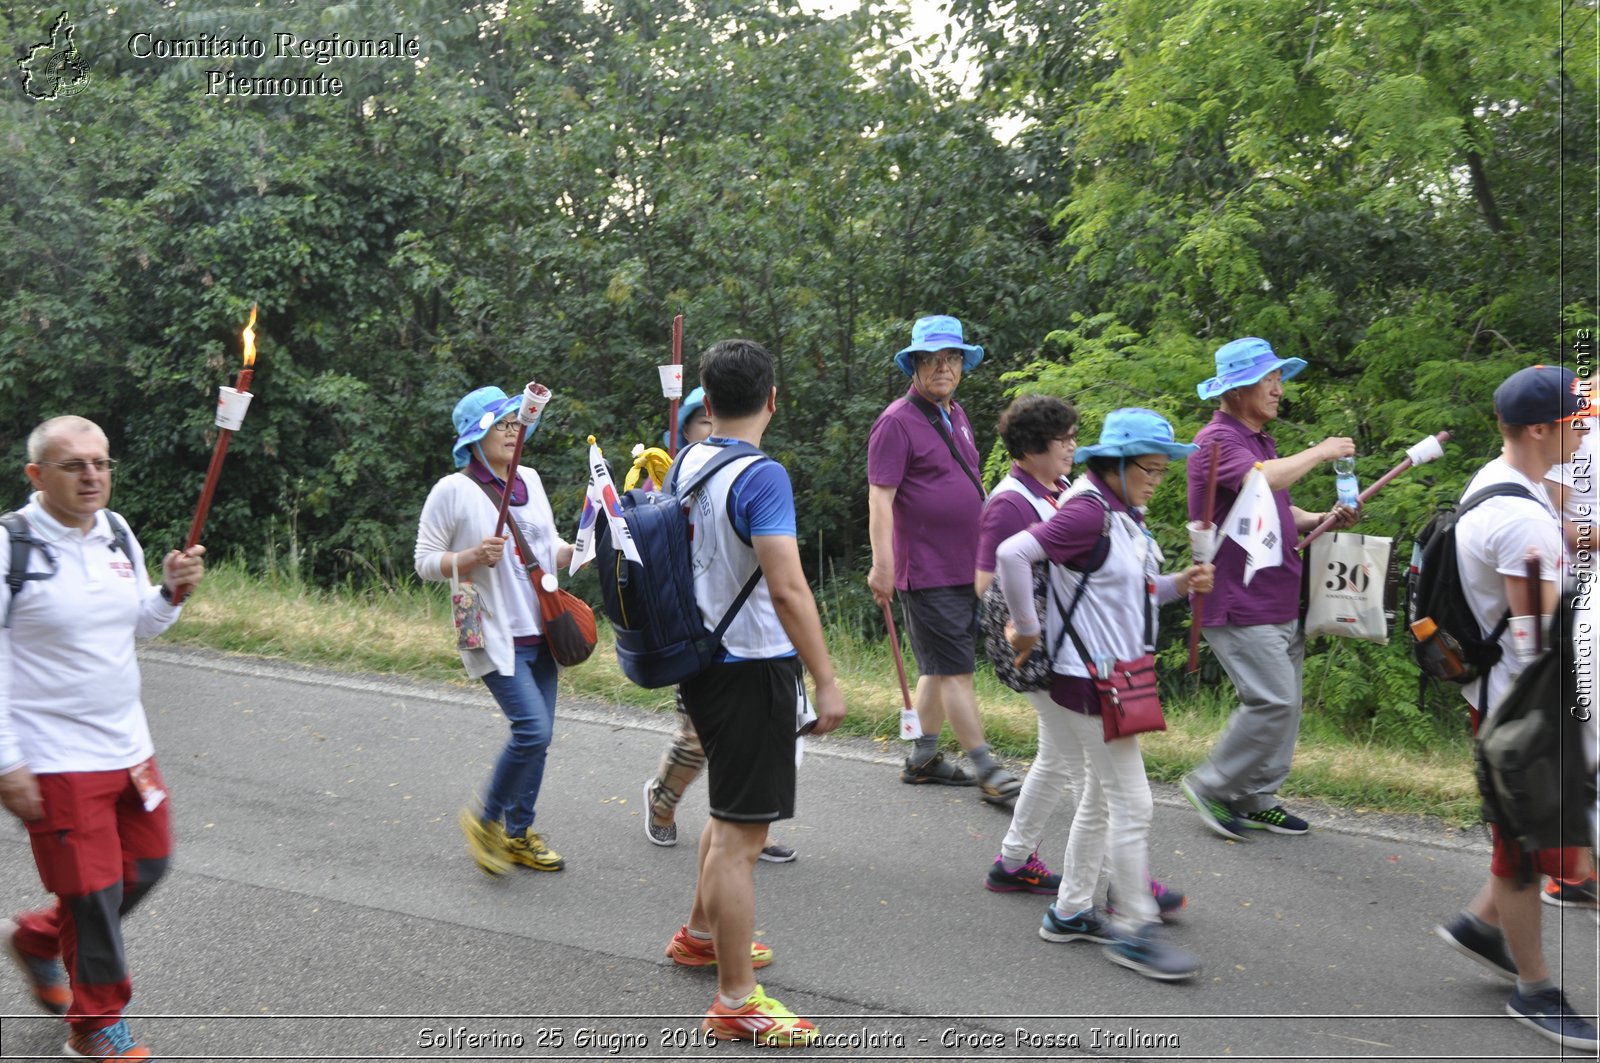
(602, 496)
(1253, 524)
(583, 542)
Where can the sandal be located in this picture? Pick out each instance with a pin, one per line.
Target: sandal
(1000, 787)
(936, 770)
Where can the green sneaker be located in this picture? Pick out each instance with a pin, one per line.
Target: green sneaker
(487, 842)
(531, 851)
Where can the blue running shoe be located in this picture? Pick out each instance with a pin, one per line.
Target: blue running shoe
(1085, 926)
(1143, 950)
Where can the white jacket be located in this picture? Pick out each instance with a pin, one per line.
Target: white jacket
(458, 516)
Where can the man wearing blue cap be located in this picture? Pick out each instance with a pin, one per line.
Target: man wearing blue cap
(1257, 636)
(924, 500)
(1541, 414)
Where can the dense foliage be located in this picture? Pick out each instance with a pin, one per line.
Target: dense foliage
(1403, 195)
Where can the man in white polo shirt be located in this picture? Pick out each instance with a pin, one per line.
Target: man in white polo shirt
(1541, 417)
(76, 759)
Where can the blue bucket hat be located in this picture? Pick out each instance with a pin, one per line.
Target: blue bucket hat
(1241, 363)
(476, 413)
(1131, 431)
(693, 401)
(938, 332)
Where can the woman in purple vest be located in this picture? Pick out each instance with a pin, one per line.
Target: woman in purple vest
(1107, 594)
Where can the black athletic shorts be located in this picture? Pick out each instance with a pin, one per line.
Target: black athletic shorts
(942, 623)
(744, 712)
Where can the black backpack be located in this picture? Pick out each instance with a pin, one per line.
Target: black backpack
(1531, 770)
(661, 637)
(1446, 641)
(23, 543)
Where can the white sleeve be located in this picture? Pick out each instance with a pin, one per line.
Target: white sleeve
(435, 531)
(156, 614)
(1013, 570)
(1510, 540)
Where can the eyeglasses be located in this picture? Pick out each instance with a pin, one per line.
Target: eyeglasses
(1070, 439)
(507, 426)
(1155, 474)
(76, 466)
(936, 359)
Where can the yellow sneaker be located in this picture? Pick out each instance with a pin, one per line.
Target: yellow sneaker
(531, 851)
(686, 950)
(759, 1019)
(486, 841)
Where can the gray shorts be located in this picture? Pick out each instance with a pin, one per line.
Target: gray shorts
(942, 624)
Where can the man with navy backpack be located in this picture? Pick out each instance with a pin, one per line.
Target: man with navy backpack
(1540, 413)
(745, 705)
(76, 761)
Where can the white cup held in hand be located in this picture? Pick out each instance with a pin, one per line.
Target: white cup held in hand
(1202, 541)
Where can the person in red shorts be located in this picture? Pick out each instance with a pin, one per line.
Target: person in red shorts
(1540, 414)
(77, 764)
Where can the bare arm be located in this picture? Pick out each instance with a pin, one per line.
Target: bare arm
(1519, 593)
(1285, 472)
(779, 557)
(880, 532)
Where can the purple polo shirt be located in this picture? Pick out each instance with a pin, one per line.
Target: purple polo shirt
(1273, 596)
(936, 505)
(1007, 513)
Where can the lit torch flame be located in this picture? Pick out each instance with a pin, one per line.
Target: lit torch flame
(250, 339)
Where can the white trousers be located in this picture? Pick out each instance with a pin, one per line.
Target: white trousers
(1111, 826)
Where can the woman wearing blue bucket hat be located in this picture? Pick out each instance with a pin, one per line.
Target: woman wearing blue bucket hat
(456, 537)
(1105, 561)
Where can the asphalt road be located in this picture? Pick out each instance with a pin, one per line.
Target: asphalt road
(322, 906)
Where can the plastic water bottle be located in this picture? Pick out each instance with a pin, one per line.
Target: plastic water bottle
(1344, 472)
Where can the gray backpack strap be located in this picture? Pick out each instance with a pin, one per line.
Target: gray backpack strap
(22, 544)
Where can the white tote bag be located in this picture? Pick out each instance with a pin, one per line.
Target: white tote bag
(1345, 577)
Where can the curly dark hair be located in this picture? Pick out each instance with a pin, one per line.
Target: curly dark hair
(1031, 423)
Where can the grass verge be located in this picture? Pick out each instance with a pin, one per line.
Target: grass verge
(405, 632)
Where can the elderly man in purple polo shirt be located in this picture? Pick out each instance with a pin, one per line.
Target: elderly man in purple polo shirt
(1257, 633)
(924, 498)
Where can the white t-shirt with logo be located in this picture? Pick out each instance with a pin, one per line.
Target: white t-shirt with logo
(1492, 542)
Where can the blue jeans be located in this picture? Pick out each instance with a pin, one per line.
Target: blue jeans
(528, 700)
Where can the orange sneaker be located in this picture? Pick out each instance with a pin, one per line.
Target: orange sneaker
(686, 950)
(761, 1020)
(46, 980)
(109, 1044)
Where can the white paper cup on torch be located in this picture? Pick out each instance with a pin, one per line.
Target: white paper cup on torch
(231, 407)
(671, 381)
(1525, 638)
(535, 397)
(1425, 451)
(1202, 541)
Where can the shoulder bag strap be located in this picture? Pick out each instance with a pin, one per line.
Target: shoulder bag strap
(529, 563)
(1066, 617)
(931, 412)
